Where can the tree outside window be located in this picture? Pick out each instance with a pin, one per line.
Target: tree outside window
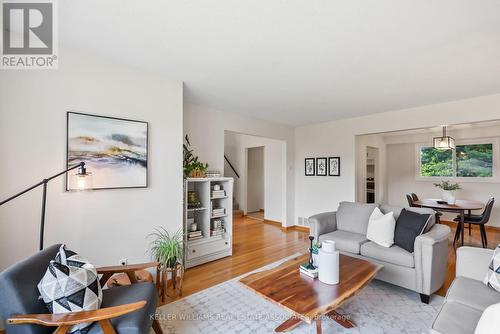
(468, 161)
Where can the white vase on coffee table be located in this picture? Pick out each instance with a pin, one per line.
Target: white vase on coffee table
(329, 259)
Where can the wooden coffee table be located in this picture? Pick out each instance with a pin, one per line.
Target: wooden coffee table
(309, 299)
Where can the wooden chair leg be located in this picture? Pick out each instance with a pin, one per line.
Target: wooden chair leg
(457, 233)
(470, 229)
(318, 326)
(484, 239)
(62, 329)
(107, 327)
(157, 327)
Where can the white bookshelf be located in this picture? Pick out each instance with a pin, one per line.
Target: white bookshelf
(208, 247)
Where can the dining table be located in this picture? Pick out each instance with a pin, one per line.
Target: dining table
(460, 207)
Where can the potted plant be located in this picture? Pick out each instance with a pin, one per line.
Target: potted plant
(192, 167)
(448, 189)
(167, 249)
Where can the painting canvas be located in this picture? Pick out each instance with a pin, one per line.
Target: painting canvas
(309, 167)
(114, 150)
(321, 166)
(334, 164)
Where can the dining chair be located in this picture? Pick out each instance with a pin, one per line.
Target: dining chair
(410, 201)
(414, 198)
(480, 220)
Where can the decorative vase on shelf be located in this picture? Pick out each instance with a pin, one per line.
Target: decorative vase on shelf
(329, 263)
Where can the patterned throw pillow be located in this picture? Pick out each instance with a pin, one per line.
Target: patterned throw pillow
(71, 284)
(493, 276)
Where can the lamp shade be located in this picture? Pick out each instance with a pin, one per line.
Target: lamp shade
(82, 180)
(444, 142)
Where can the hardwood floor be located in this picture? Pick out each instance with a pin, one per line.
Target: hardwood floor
(257, 244)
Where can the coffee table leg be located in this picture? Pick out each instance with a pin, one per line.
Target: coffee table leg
(340, 319)
(318, 325)
(288, 325)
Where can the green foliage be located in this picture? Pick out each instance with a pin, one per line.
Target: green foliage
(447, 185)
(191, 162)
(471, 161)
(434, 162)
(475, 160)
(165, 248)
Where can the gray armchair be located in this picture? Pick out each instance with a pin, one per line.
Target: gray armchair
(127, 309)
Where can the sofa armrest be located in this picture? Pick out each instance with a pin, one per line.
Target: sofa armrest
(431, 258)
(322, 223)
(473, 262)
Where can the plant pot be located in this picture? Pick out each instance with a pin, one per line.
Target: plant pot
(197, 173)
(169, 282)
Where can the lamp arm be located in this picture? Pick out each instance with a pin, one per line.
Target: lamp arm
(44, 181)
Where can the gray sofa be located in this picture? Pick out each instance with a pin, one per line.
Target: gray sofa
(468, 296)
(422, 271)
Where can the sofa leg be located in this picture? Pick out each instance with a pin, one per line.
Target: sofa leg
(425, 298)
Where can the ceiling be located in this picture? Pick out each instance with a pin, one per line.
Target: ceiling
(299, 62)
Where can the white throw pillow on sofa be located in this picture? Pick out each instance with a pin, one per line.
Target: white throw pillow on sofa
(488, 323)
(381, 228)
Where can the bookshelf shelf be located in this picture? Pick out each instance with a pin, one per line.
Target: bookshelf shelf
(213, 194)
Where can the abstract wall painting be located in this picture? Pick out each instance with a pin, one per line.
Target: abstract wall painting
(114, 150)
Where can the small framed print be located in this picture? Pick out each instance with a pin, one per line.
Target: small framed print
(309, 167)
(334, 166)
(321, 166)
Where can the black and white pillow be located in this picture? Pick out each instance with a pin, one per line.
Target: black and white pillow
(492, 278)
(71, 284)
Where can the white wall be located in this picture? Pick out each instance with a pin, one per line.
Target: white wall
(337, 138)
(103, 225)
(255, 179)
(275, 186)
(206, 129)
(402, 166)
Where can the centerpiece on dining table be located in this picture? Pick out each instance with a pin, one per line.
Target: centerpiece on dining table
(448, 191)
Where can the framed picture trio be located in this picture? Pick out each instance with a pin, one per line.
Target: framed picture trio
(322, 166)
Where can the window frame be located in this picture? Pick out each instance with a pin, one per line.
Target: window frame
(492, 179)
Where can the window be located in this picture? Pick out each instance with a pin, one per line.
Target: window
(474, 160)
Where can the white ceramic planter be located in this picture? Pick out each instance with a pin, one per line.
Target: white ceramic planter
(449, 197)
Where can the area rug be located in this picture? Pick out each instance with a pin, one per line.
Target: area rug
(232, 308)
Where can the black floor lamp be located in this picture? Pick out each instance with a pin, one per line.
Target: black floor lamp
(83, 182)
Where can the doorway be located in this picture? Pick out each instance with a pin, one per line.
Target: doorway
(371, 174)
(255, 183)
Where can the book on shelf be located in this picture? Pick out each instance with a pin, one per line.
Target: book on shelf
(217, 224)
(218, 193)
(194, 233)
(216, 232)
(195, 238)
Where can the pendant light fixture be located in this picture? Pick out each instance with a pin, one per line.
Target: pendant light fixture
(445, 142)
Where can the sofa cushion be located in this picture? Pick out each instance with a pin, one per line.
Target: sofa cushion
(353, 216)
(396, 210)
(488, 323)
(138, 322)
(408, 227)
(394, 254)
(345, 241)
(381, 228)
(456, 318)
(472, 293)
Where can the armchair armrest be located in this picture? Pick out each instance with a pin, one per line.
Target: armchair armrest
(130, 270)
(431, 259)
(65, 320)
(322, 223)
(473, 262)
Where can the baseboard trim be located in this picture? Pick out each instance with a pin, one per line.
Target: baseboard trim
(296, 228)
(272, 222)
